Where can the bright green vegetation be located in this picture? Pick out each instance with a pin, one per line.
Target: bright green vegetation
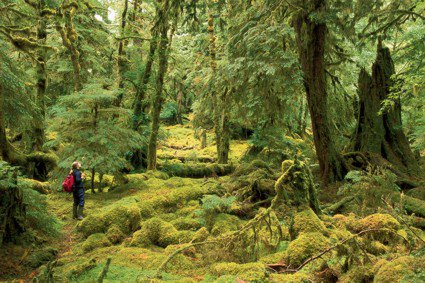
(221, 140)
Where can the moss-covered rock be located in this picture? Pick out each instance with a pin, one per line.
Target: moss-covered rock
(42, 256)
(95, 241)
(358, 273)
(115, 235)
(77, 269)
(249, 271)
(305, 246)
(201, 235)
(378, 221)
(307, 221)
(156, 231)
(91, 225)
(399, 270)
(225, 223)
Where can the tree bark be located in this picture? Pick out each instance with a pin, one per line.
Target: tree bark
(220, 118)
(162, 70)
(382, 134)
(311, 40)
(39, 134)
(121, 54)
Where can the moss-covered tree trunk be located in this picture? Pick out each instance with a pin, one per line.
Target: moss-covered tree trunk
(121, 55)
(221, 122)
(4, 151)
(376, 133)
(12, 208)
(311, 40)
(41, 77)
(69, 39)
(162, 70)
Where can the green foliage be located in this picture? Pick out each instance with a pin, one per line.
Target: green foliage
(93, 131)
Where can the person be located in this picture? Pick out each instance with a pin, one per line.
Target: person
(78, 191)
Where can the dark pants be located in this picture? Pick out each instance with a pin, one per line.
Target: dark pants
(78, 194)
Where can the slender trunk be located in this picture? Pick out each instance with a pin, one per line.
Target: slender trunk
(41, 79)
(135, 5)
(4, 151)
(121, 54)
(221, 127)
(141, 91)
(93, 172)
(158, 99)
(203, 138)
(311, 40)
(382, 134)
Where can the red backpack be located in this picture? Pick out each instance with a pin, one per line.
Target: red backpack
(68, 183)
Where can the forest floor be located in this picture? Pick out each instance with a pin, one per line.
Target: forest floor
(138, 225)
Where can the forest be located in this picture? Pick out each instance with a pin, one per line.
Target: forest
(218, 140)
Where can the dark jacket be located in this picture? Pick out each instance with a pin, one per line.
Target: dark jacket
(78, 181)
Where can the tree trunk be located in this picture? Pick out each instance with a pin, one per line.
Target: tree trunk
(311, 40)
(12, 208)
(121, 54)
(41, 79)
(158, 99)
(4, 151)
(222, 136)
(69, 38)
(382, 134)
(141, 91)
(93, 173)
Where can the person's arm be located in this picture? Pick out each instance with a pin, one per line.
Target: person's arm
(77, 178)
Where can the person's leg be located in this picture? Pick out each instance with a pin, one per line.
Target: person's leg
(80, 203)
(75, 206)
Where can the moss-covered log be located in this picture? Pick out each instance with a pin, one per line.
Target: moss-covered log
(198, 170)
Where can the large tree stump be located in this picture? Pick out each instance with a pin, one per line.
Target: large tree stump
(12, 208)
(382, 134)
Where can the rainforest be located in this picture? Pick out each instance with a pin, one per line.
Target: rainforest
(212, 141)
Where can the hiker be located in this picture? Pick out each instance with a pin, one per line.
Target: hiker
(78, 191)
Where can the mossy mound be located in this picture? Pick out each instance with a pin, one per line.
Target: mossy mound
(187, 223)
(156, 231)
(225, 223)
(305, 246)
(378, 221)
(402, 269)
(126, 218)
(201, 235)
(307, 221)
(359, 273)
(249, 271)
(418, 193)
(95, 241)
(115, 235)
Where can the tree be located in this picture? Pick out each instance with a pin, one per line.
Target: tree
(93, 131)
(380, 131)
(311, 29)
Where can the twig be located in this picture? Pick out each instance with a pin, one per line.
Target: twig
(103, 273)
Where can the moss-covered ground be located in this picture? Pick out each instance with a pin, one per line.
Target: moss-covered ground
(140, 224)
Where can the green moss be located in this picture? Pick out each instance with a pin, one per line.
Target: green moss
(91, 225)
(42, 256)
(291, 278)
(95, 241)
(305, 246)
(115, 235)
(307, 221)
(358, 273)
(201, 235)
(397, 269)
(379, 221)
(74, 271)
(273, 258)
(156, 231)
(418, 193)
(225, 223)
(249, 271)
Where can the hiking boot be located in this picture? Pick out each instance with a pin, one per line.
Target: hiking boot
(74, 211)
(80, 213)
